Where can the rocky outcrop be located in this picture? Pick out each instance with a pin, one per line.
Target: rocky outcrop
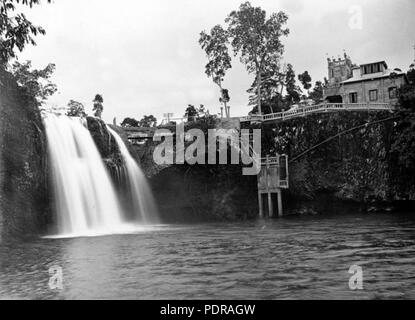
(354, 171)
(105, 142)
(108, 148)
(24, 196)
(355, 167)
(186, 193)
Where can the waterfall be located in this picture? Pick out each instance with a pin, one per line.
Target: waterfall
(85, 198)
(143, 204)
(86, 201)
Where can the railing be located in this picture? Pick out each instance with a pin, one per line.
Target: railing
(303, 111)
(171, 120)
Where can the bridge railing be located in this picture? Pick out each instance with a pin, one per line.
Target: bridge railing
(325, 107)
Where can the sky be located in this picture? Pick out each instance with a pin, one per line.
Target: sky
(144, 56)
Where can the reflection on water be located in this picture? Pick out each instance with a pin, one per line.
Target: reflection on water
(290, 258)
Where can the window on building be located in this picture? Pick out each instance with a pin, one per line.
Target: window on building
(393, 93)
(371, 68)
(353, 97)
(373, 95)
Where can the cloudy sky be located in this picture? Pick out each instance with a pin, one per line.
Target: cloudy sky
(144, 57)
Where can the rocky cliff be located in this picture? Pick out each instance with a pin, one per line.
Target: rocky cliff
(24, 197)
(339, 161)
(352, 160)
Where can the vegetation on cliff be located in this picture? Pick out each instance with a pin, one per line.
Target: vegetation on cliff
(16, 31)
(24, 197)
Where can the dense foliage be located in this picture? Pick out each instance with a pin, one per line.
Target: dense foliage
(75, 109)
(146, 122)
(16, 31)
(305, 80)
(129, 123)
(36, 82)
(403, 147)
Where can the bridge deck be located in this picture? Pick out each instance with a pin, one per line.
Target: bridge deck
(325, 107)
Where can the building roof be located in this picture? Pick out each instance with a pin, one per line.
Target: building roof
(383, 62)
(372, 76)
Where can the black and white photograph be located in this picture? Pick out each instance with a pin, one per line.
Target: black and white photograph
(185, 152)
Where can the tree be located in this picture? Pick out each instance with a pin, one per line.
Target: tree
(75, 109)
(129, 122)
(293, 91)
(271, 88)
(148, 121)
(317, 93)
(191, 113)
(257, 39)
(215, 45)
(305, 80)
(16, 31)
(411, 75)
(98, 107)
(266, 109)
(36, 82)
(202, 112)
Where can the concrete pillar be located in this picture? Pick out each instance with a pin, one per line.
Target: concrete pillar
(260, 205)
(280, 209)
(270, 205)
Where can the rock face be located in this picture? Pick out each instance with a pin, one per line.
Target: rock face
(355, 171)
(24, 197)
(355, 167)
(107, 146)
(104, 141)
(186, 193)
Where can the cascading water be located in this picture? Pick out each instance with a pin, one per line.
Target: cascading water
(143, 204)
(85, 198)
(87, 204)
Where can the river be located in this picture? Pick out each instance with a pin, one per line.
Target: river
(289, 258)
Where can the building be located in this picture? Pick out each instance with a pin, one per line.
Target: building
(367, 83)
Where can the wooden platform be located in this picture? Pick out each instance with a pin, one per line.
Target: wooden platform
(272, 178)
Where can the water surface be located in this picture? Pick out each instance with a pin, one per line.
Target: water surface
(290, 258)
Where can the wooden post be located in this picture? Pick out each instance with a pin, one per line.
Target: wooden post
(287, 171)
(270, 213)
(260, 205)
(280, 212)
(270, 206)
